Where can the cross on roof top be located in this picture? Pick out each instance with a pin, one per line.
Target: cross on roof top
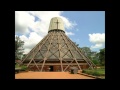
(57, 23)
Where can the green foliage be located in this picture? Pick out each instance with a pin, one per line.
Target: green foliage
(86, 51)
(95, 72)
(18, 48)
(24, 68)
(24, 55)
(97, 58)
(76, 44)
(102, 67)
(17, 66)
(90, 54)
(96, 62)
(83, 71)
(102, 56)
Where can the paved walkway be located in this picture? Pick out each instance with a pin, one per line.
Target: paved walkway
(49, 75)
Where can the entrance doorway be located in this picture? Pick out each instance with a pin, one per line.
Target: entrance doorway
(51, 68)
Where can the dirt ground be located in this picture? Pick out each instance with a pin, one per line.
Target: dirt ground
(49, 75)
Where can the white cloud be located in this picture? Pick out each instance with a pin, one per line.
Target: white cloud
(97, 46)
(68, 24)
(30, 41)
(98, 39)
(25, 22)
(69, 33)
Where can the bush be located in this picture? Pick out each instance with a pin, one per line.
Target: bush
(95, 72)
(83, 71)
(102, 67)
(17, 66)
(24, 68)
(96, 62)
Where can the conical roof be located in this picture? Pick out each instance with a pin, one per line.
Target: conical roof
(56, 47)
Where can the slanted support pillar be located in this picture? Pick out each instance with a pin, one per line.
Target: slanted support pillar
(43, 64)
(61, 64)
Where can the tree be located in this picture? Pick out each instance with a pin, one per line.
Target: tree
(24, 55)
(86, 51)
(92, 55)
(102, 56)
(18, 48)
(97, 58)
(76, 44)
(96, 62)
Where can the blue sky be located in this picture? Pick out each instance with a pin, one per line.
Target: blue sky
(88, 22)
(86, 28)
